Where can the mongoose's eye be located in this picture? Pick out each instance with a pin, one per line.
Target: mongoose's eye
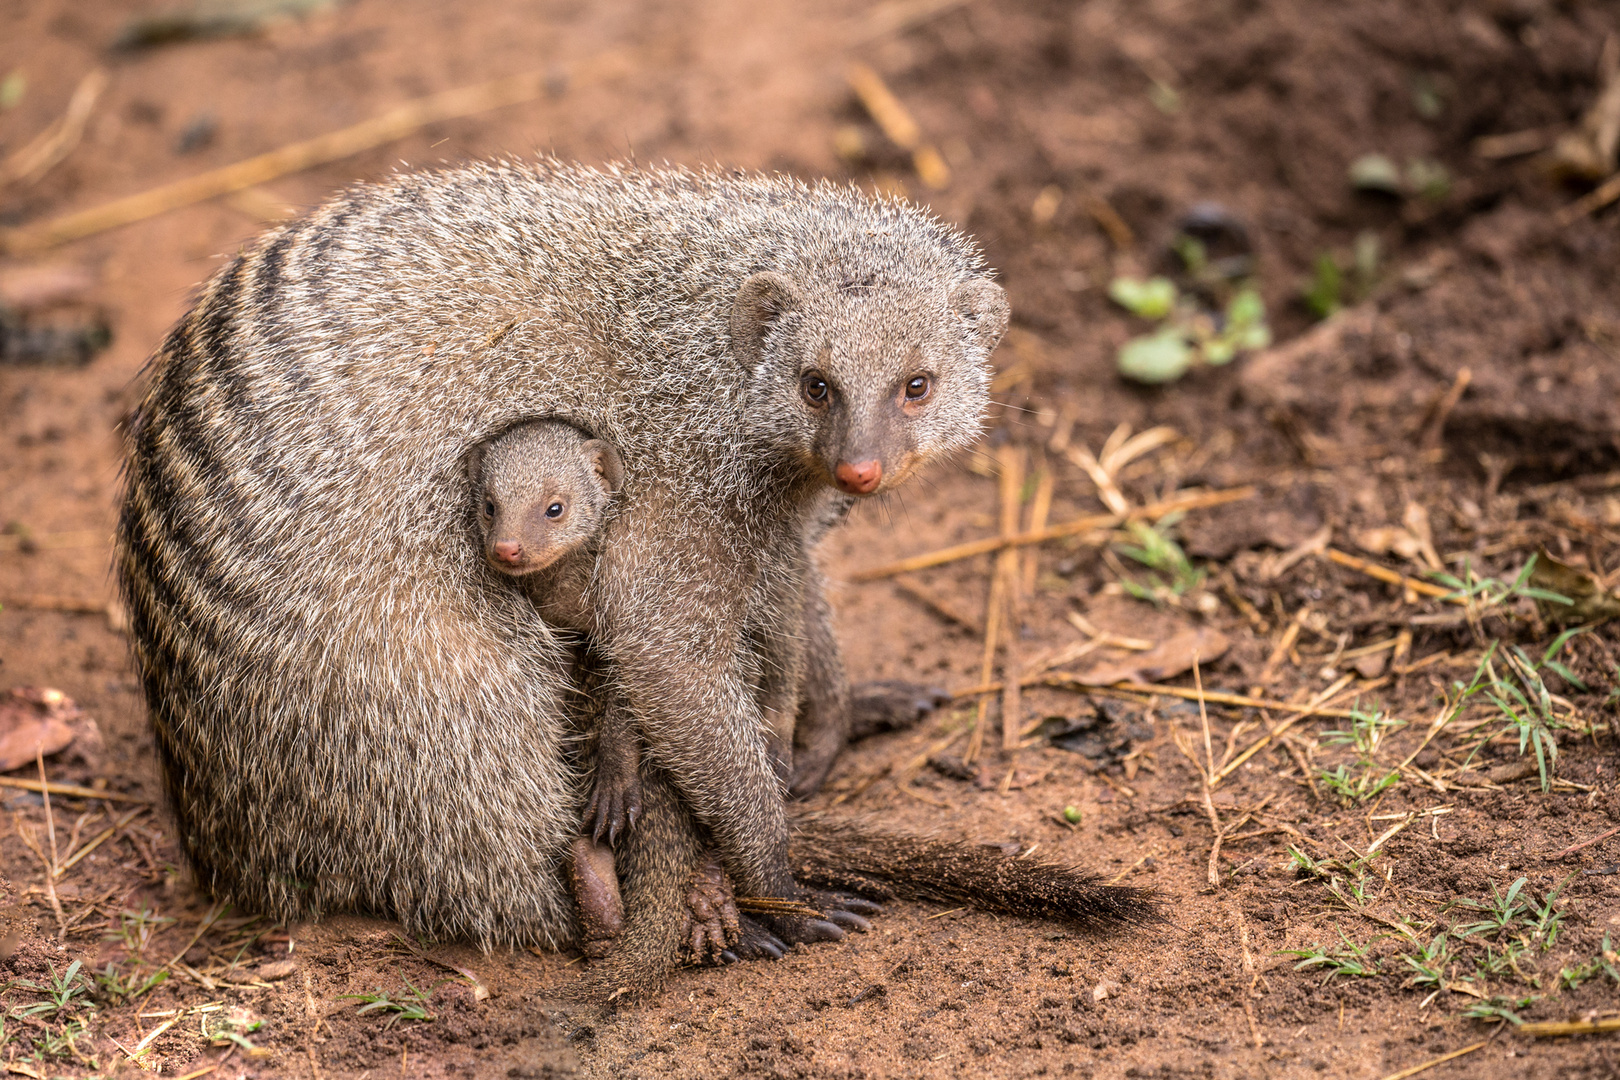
(489, 507)
(554, 510)
(917, 387)
(814, 388)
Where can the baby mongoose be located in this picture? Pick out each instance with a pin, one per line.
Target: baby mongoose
(540, 492)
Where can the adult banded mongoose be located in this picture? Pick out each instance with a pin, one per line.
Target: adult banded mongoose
(387, 733)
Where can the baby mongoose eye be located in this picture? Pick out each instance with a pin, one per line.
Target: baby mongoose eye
(554, 510)
(489, 507)
(814, 388)
(917, 387)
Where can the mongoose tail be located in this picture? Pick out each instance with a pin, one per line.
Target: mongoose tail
(850, 855)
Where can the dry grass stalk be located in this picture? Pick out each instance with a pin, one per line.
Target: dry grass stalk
(1432, 1062)
(939, 605)
(1593, 201)
(1587, 843)
(72, 791)
(1434, 427)
(895, 120)
(1214, 697)
(1193, 500)
(1039, 511)
(1545, 1028)
(1390, 577)
(296, 157)
(67, 604)
(1007, 566)
(56, 142)
(896, 15)
(1309, 709)
(99, 839)
(1279, 652)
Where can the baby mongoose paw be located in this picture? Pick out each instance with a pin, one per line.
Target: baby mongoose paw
(614, 805)
(890, 705)
(712, 911)
(596, 896)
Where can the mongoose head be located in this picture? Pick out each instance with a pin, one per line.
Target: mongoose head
(541, 490)
(866, 381)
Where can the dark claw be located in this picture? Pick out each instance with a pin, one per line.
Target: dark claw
(859, 905)
(820, 930)
(729, 957)
(849, 921)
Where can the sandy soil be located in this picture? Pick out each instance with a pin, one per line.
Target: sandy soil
(1079, 136)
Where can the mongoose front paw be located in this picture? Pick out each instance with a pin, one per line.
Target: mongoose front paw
(712, 911)
(890, 705)
(614, 806)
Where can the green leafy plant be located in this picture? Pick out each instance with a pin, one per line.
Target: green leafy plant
(1170, 573)
(116, 986)
(408, 1004)
(63, 992)
(1429, 963)
(1187, 335)
(1422, 177)
(1605, 963)
(1346, 958)
(1366, 779)
(1500, 1008)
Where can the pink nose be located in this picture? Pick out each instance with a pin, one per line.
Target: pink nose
(508, 551)
(859, 479)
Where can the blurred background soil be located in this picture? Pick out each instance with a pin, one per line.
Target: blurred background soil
(1407, 169)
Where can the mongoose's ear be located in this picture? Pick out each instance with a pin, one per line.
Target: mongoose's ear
(609, 466)
(762, 300)
(983, 304)
(475, 464)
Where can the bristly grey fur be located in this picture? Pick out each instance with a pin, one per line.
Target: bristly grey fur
(352, 712)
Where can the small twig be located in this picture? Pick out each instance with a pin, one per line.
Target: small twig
(1012, 704)
(1587, 843)
(1390, 577)
(72, 791)
(296, 157)
(99, 839)
(896, 121)
(1090, 523)
(939, 605)
(1279, 652)
(1311, 707)
(57, 141)
(1441, 1060)
(1593, 201)
(215, 911)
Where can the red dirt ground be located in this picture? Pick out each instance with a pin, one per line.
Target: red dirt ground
(1077, 134)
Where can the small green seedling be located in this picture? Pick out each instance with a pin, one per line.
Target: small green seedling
(1429, 963)
(1170, 573)
(1606, 963)
(409, 1004)
(63, 992)
(1347, 958)
(1501, 911)
(1501, 1008)
(1187, 336)
(1423, 177)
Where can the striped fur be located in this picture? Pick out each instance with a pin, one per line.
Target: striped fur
(352, 710)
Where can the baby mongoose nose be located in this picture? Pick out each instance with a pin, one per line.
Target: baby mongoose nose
(859, 479)
(508, 551)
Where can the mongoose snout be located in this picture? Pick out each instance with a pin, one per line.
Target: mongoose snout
(862, 479)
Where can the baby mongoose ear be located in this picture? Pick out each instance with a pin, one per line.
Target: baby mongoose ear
(475, 463)
(982, 303)
(609, 466)
(763, 299)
